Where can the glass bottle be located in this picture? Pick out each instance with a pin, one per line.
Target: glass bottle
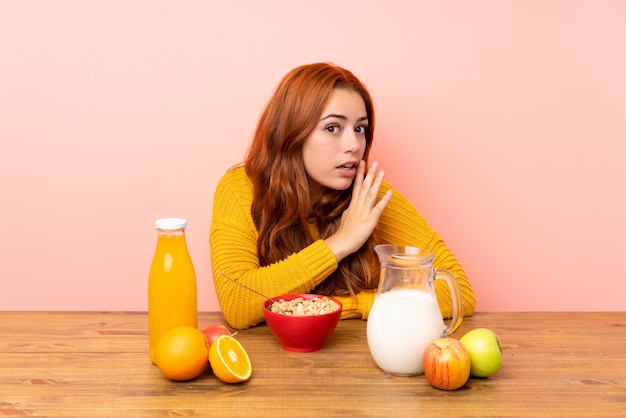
(172, 289)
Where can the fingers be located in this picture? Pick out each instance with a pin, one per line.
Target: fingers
(358, 180)
(382, 203)
(360, 218)
(366, 188)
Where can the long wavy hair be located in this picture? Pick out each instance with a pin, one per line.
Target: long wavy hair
(282, 207)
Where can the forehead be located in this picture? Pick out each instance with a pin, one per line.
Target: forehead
(345, 102)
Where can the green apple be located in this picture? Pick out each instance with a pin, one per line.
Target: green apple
(485, 351)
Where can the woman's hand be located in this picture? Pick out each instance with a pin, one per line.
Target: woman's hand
(360, 218)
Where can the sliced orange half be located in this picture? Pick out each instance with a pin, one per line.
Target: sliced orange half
(229, 360)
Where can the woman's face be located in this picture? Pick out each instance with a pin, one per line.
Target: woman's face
(333, 150)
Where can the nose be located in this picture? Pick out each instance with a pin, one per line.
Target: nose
(352, 141)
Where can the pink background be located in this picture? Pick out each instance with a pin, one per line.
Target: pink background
(504, 122)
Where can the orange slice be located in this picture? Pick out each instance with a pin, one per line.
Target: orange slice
(229, 360)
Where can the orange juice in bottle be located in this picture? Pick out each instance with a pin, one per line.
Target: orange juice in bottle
(172, 292)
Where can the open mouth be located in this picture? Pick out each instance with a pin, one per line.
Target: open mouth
(346, 166)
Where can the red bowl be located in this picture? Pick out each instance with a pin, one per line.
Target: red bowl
(301, 333)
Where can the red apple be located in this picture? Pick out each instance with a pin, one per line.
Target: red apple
(215, 330)
(446, 363)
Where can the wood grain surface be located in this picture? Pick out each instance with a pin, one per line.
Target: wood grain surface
(90, 364)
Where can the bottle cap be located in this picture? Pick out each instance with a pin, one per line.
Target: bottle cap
(171, 223)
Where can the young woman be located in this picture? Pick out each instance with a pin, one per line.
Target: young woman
(304, 211)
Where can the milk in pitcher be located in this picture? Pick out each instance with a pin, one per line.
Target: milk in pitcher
(401, 324)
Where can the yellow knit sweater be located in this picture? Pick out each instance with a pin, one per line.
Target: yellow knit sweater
(233, 240)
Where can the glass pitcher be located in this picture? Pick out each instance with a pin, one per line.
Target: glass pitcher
(405, 316)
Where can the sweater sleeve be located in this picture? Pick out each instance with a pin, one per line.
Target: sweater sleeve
(402, 224)
(357, 307)
(233, 241)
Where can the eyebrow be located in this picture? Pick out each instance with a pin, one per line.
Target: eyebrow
(334, 115)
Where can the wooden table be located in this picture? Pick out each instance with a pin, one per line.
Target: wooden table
(76, 364)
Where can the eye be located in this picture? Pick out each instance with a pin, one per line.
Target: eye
(333, 128)
(361, 129)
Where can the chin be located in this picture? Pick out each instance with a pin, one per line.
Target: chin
(341, 187)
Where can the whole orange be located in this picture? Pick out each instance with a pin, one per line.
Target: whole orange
(182, 353)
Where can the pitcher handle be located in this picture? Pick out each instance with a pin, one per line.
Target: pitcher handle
(457, 303)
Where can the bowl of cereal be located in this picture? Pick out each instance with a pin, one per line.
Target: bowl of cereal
(302, 322)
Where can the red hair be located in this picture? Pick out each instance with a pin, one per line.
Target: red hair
(282, 206)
